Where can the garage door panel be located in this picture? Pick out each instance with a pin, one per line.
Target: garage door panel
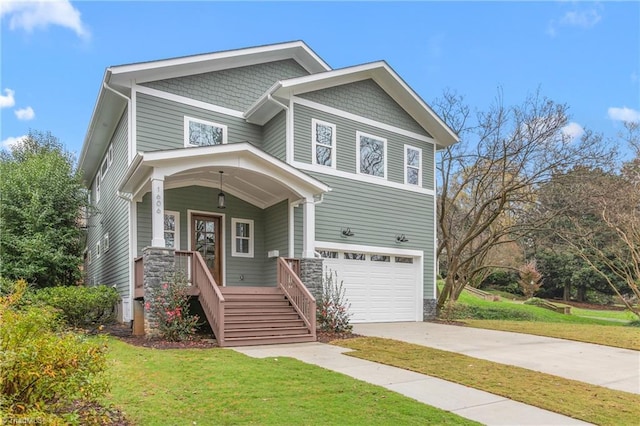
(378, 291)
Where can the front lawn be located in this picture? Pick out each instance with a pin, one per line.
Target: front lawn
(591, 403)
(219, 386)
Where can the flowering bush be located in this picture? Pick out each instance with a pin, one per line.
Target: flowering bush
(333, 308)
(170, 309)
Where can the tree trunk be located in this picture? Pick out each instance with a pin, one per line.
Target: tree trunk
(567, 292)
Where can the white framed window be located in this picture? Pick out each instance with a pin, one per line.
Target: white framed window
(354, 256)
(323, 141)
(106, 162)
(412, 165)
(89, 257)
(243, 231)
(98, 249)
(371, 155)
(105, 242)
(203, 133)
(172, 229)
(98, 182)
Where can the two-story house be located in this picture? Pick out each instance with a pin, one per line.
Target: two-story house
(255, 171)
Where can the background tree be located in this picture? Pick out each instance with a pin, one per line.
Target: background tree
(41, 200)
(530, 279)
(488, 181)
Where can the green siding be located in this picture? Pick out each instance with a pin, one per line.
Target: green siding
(376, 215)
(346, 144)
(236, 88)
(275, 136)
(276, 232)
(298, 223)
(256, 271)
(160, 124)
(367, 99)
(112, 217)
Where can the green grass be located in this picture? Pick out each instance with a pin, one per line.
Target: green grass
(218, 386)
(620, 316)
(509, 310)
(583, 401)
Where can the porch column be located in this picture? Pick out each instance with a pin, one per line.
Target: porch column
(309, 229)
(157, 212)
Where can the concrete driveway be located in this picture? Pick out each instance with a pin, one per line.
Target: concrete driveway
(613, 368)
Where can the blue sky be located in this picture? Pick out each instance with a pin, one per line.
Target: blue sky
(585, 54)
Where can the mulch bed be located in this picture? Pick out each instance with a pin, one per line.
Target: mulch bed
(200, 341)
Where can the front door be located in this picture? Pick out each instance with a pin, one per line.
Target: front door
(205, 238)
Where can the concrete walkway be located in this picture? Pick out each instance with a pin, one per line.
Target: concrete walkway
(613, 368)
(466, 402)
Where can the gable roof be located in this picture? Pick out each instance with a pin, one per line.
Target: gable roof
(115, 88)
(266, 107)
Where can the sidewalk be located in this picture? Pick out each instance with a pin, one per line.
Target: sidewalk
(614, 368)
(466, 402)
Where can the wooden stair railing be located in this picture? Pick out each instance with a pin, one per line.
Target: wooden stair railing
(210, 297)
(298, 294)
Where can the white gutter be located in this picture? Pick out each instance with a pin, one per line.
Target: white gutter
(109, 88)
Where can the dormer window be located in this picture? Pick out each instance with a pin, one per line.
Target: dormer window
(203, 133)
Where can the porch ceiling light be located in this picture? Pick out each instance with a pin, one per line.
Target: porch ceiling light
(221, 196)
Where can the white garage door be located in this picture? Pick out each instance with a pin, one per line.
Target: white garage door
(380, 287)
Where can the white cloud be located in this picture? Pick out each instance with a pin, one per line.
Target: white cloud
(581, 19)
(30, 15)
(9, 142)
(7, 101)
(573, 130)
(624, 114)
(584, 19)
(25, 114)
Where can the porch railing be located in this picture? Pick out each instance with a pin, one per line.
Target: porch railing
(294, 263)
(138, 277)
(297, 293)
(211, 299)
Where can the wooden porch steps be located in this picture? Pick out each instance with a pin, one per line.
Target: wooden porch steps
(261, 316)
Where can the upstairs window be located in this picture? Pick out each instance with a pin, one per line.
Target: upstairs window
(324, 143)
(106, 162)
(371, 155)
(98, 180)
(412, 165)
(203, 133)
(105, 247)
(242, 237)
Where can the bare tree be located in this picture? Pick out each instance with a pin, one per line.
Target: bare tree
(488, 181)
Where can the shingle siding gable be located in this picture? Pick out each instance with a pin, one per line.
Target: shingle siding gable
(236, 88)
(367, 99)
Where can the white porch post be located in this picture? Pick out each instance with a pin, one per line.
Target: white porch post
(157, 211)
(309, 229)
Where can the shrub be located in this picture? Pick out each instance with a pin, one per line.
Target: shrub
(170, 308)
(458, 311)
(333, 308)
(44, 370)
(530, 279)
(535, 301)
(81, 306)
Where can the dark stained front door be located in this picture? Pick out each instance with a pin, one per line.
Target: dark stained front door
(205, 238)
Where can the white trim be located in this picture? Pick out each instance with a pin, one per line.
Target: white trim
(309, 229)
(176, 232)
(234, 236)
(157, 211)
(359, 135)
(326, 245)
(133, 139)
(133, 249)
(106, 242)
(223, 250)
(363, 120)
(361, 178)
(89, 258)
(290, 153)
(188, 101)
(292, 229)
(188, 119)
(314, 142)
(98, 251)
(436, 265)
(406, 165)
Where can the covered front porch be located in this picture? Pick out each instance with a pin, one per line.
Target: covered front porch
(238, 223)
